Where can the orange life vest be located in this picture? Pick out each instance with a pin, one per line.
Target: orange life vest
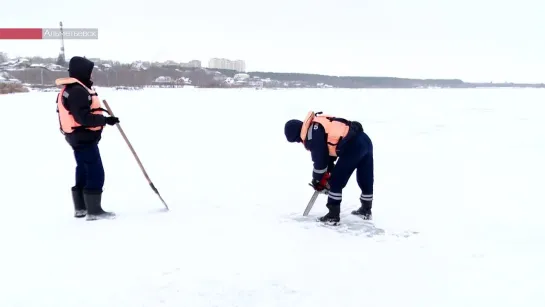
(66, 120)
(335, 128)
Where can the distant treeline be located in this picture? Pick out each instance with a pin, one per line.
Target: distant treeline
(352, 82)
(121, 74)
(373, 82)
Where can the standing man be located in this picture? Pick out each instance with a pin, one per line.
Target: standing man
(328, 138)
(81, 121)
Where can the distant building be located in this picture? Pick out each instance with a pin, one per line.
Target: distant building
(219, 63)
(193, 63)
(240, 66)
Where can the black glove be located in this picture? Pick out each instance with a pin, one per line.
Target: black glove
(112, 120)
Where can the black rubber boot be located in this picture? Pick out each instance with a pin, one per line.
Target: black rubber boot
(79, 203)
(365, 210)
(93, 200)
(332, 217)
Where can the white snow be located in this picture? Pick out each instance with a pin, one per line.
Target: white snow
(52, 67)
(458, 179)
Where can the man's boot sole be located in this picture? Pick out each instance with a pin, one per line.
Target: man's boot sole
(95, 217)
(80, 213)
(363, 216)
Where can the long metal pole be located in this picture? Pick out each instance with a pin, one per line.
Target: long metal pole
(135, 155)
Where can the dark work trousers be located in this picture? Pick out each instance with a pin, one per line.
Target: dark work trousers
(89, 169)
(358, 156)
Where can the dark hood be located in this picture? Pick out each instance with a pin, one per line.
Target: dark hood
(292, 130)
(81, 69)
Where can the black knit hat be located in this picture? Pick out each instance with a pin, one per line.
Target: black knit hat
(292, 130)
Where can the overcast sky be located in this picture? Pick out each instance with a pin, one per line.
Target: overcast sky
(476, 40)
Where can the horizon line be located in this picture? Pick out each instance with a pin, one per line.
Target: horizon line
(273, 72)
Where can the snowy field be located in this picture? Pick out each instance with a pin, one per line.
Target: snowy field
(458, 203)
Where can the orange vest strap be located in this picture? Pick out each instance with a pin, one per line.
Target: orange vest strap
(100, 109)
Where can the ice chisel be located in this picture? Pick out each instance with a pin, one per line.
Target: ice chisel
(135, 155)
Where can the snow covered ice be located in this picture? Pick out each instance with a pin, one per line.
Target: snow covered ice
(458, 203)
